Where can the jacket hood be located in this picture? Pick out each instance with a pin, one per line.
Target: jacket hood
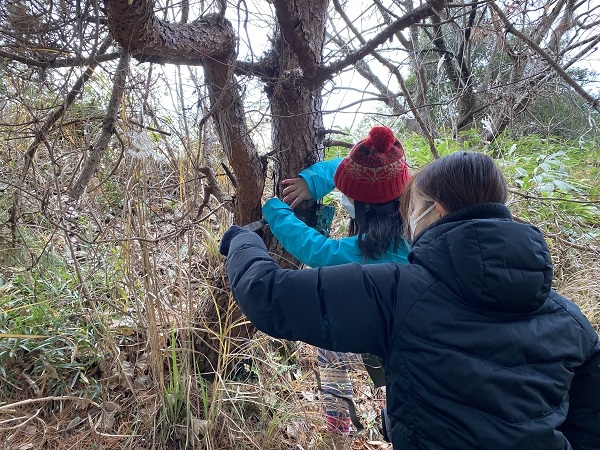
(487, 259)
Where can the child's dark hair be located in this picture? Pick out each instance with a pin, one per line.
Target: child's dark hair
(376, 227)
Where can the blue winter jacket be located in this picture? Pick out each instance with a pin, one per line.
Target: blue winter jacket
(479, 351)
(307, 244)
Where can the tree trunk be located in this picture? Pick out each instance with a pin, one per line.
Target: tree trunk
(228, 112)
(297, 120)
(210, 42)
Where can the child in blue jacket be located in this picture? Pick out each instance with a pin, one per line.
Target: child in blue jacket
(371, 179)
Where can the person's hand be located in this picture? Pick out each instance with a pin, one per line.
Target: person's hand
(232, 232)
(296, 191)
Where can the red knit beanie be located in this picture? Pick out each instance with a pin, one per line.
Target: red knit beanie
(375, 170)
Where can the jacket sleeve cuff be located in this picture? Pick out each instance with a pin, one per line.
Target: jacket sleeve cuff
(271, 206)
(319, 177)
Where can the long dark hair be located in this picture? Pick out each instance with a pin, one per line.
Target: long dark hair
(376, 227)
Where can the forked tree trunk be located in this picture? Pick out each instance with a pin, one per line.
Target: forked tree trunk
(297, 120)
(295, 101)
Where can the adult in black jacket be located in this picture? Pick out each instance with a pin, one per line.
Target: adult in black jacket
(479, 351)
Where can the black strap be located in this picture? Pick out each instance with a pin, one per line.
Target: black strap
(319, 216)
(374, 368)
(351, 406)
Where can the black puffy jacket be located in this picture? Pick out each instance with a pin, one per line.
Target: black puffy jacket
(479, 351)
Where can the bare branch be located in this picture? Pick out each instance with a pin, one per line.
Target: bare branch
(148, 38)
(57, 63)
(584, 51)
(211, 188)
(108, 127)
(337, 143)
(405, 21)
(594, 102)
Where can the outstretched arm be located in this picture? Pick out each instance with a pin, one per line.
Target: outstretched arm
(306, 243)
(314, 182)
(340, 308)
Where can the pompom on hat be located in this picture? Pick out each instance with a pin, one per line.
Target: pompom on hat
(375, 170)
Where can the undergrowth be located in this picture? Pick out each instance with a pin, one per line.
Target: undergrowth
(111, 307)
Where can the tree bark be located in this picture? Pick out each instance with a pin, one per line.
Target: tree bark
(209, 42)
(134, 25)
(295, 101)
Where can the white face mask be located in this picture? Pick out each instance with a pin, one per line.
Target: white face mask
(414, 222)
(348, 205)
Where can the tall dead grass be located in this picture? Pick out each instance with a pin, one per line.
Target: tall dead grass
(163, 272)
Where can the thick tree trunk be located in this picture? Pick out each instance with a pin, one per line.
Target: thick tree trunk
(228, 112)
(297, 127)
(297, 121)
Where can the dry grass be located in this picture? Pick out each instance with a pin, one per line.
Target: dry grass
(140, 288)
(141, 275)
(581, 284)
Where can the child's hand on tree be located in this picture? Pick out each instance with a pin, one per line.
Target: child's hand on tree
(296, 191)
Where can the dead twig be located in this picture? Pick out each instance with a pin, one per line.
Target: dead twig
(11, 406)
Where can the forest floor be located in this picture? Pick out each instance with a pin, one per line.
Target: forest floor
(125, 422)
